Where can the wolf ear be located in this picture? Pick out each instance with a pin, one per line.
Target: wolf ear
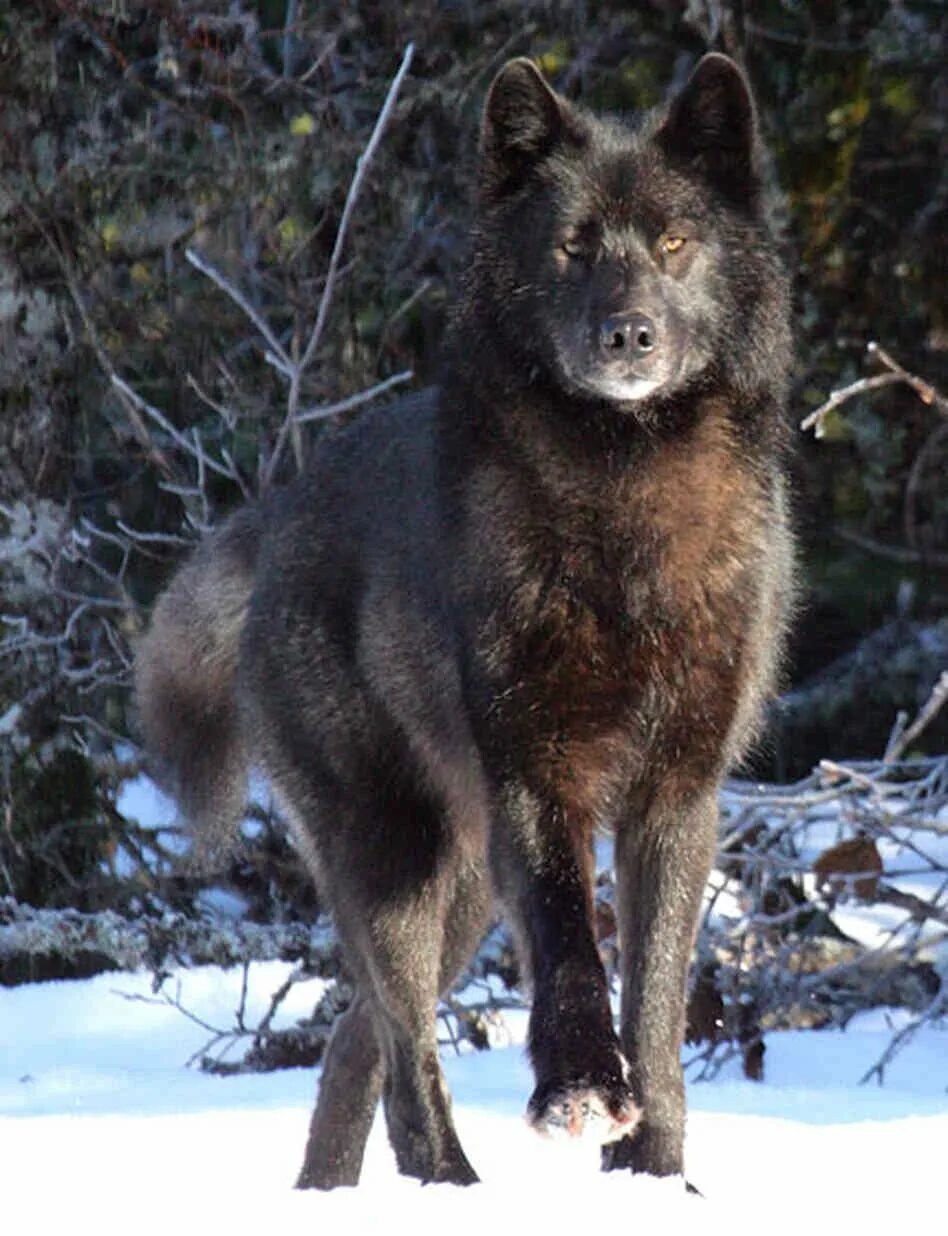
(712, 124)
(523, 120)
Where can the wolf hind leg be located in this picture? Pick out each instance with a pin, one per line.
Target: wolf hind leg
(349, 1091)
(409, 914)
(385, 1045)
(353, 1072)
(416, 1100)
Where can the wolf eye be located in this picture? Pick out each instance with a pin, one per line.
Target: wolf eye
(573, 248)
(671, 244)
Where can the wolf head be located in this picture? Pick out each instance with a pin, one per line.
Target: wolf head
(629, 264)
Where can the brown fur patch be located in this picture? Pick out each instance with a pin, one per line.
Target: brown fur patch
(650, 663)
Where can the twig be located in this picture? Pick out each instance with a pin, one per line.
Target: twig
(815, 420)
(276, 355)
(58, 245)
(900, 742)
(192, 448)
(938, 1008)
(227, 1037)
(227, 415)
(925, 391)
(327, 50)
(897, 373)
(164, 999)
(321, 411)
(297, 975)
(325, 300)
(152, 538)
(916, 907)
(288, 29)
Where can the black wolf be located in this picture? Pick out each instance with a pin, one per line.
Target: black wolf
(544, 598)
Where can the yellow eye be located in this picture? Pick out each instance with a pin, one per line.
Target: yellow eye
(671, 244)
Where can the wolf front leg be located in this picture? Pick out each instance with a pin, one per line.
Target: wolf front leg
(543, 869)
(663, 858)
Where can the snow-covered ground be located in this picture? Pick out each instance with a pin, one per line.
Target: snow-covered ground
(104, 1129)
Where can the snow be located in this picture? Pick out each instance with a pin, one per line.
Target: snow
(103, 1128)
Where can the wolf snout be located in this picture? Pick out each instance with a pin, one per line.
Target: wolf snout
(628, 337)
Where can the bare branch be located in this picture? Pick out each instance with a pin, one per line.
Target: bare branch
(815, 420)
(362, 167)
(925, 391)
(900, 742)
(897, 374)
(152, 538)
(937, 1009)
(321, 411)
(189, 446)
(227, 415)
(325, 300)
(276, 354)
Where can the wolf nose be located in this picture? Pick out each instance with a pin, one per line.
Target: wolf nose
(630, 335)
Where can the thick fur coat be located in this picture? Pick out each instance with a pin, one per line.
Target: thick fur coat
(545, 598)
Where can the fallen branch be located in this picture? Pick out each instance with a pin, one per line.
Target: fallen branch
(155, 943)
(935, 1011)
(775, 948)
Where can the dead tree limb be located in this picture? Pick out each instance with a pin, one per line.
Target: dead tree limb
(896, 374)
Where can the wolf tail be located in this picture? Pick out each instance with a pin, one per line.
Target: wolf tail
(185, 684)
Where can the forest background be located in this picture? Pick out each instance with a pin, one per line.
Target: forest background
(177, 211)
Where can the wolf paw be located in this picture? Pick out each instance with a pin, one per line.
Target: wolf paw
(578, 1109)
